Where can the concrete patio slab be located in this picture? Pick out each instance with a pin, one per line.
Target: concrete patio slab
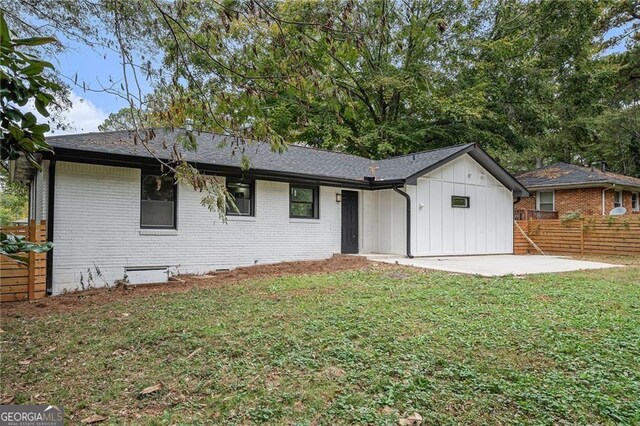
(494, 265)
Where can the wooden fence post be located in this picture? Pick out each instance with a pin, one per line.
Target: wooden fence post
(582, 236)
(33, 237)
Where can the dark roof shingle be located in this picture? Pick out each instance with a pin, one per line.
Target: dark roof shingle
(217, 150)
(563, 174)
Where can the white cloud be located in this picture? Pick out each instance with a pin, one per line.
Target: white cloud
(82, 117)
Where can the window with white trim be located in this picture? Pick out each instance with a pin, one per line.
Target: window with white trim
(617, 199)
(546, 201)
(635, 202)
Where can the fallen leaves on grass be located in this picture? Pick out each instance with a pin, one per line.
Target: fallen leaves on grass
(95, 418)
(334, 372)
(25, 362)
(194, 353)
(387, 411)
(119, 352)
(7, 400)
(414, 419)
(151, 389)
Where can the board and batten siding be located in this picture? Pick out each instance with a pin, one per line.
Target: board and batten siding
(486, 227)
(392, 228)
(97, 225)
(369, 222)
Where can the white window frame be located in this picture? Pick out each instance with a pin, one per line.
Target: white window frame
(553, 193)
(635, 201)
(620, 203)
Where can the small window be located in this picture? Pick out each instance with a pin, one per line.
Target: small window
(459, 202)
(243, 196)
(546, 202)
(617, 199)
(303, 202)
(635, 202)
(158, 202)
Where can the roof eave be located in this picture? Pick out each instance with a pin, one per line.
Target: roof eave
(579, 185)
(499, 172)
(21, 170)
(71, 155)
(485, 160)
(412, 179)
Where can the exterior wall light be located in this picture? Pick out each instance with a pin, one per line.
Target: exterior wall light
(338, 197)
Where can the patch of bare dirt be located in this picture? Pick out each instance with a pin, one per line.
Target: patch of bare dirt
(96, 297)
(543, 298)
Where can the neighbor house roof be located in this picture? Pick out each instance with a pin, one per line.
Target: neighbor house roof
(570, 175)
(219, 153)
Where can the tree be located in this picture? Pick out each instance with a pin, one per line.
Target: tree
(21, 80)
(13, 199)
(529, 81)
(12, 207)
(121, 120)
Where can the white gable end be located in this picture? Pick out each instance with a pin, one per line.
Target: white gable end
(484, 227)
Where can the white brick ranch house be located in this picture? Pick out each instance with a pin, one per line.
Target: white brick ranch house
(109, 208)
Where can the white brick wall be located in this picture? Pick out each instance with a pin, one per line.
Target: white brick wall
(97, 223)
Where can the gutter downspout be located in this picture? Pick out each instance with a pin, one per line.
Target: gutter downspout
(51, 195)
(603, 198)
(516, 201)
(408, 199)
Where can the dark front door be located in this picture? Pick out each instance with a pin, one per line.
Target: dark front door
(349, 222)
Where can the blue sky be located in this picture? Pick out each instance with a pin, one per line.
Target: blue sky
(96, 66)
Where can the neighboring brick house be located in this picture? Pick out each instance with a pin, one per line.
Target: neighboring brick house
(562, 188)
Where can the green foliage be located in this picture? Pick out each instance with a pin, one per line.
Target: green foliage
(14, 199)
(530, 81)
(13, 206)
(121, 120)
(22, 80)
(570, 216)
(14, 245)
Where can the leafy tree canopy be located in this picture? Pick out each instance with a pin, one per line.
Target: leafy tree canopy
(529, 81)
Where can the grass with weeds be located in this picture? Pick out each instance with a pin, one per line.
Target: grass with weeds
(366, 347)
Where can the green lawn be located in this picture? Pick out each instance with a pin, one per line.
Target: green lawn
(367, 347)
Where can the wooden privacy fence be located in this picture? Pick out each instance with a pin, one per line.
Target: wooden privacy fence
(613, 235)
(20, 281)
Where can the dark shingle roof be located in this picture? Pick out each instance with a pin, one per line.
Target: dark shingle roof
(217, 151)
(563, 174)
(220, 151)
(408, 165)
